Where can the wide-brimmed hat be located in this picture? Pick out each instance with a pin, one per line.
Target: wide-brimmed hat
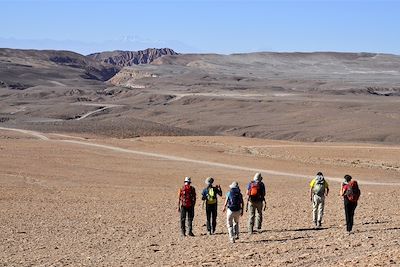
(234, 185)
(257, 177)
(188, 179)
(209, 180)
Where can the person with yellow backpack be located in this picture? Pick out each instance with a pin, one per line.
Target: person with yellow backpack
(209, 197)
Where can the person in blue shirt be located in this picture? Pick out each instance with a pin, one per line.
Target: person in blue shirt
(234, 203)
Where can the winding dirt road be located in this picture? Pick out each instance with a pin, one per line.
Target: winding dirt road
(41, 136)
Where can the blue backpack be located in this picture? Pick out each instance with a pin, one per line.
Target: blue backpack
(234, 199)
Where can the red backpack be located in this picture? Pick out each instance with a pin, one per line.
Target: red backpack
(255, 191)
(353, 191)
(187, 196)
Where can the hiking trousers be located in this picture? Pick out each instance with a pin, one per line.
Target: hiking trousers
(211, 213)
(318, 209)
(255, 208)
(189, 213)
(232, 222)
(349, 208)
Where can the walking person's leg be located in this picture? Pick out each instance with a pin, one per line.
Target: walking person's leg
(236, 219)
(347, 214)
(252, 211)
(229, 224)
(321, 207)
(208, 215)
(183, 221)
(214, 210)
(352, 208)
(190, 220)
(259, 217)
(315, 210)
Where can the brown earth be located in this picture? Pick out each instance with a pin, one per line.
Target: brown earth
(108, 202)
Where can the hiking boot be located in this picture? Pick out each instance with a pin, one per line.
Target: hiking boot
(319, 224)
(183, 234)
(190, 234)
(232, 240)
(236, 237)
(209, 233)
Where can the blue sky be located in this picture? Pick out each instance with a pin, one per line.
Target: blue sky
(202, 26)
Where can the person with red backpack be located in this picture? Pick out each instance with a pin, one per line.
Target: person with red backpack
(255, 199)
(351, 193)
(234, 203)
(209, 197)
(186, 204)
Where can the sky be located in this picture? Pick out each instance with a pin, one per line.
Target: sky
(202, 26)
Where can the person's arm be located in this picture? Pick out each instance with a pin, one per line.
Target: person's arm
(219, 190)
(179, 200)
(241, 206)
(311, 194)
(343, 190)
(194, 196)
(225, 204)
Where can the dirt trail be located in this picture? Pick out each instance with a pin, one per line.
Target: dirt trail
(202, 162)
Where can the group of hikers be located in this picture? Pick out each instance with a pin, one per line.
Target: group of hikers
(255, 203)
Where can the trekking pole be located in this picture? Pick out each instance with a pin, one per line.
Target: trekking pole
(247, 205)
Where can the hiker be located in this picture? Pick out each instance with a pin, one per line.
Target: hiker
(319, 188)
(255, 199)
(234, 202)
(209, 197)
(186, 204)
(351, 193)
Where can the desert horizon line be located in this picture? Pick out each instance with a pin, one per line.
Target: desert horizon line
(208, 52)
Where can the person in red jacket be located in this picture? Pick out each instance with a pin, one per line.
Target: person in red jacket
(350, 193)
(186, 204)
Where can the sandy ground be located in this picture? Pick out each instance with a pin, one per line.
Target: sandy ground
(113, 202)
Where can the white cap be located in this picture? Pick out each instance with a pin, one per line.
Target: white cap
(234, 185)
(257, 177)
(188, 179)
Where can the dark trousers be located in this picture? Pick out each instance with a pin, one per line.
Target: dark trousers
(349, 208)
(189, 212)
(211, 212)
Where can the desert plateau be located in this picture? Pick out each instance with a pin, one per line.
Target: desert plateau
(93, 151)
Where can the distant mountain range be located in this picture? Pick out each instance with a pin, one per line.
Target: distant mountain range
(129, 58)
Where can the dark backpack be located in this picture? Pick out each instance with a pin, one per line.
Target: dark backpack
(187, 196)
(235, 199)
(353, 191)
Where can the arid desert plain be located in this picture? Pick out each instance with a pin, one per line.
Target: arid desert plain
(71, 200)
(92, 156)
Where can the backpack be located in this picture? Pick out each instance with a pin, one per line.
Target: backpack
(211, 196)
(319, 186)
(353, 191)
(234, 199)
(255, 191)
(187, 196)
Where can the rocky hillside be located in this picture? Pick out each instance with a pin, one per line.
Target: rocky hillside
(22, 69)
(130, 58)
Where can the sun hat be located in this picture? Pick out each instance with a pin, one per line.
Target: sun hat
(188, 179)
(209, 180)
(234, 185)
(257, 177)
